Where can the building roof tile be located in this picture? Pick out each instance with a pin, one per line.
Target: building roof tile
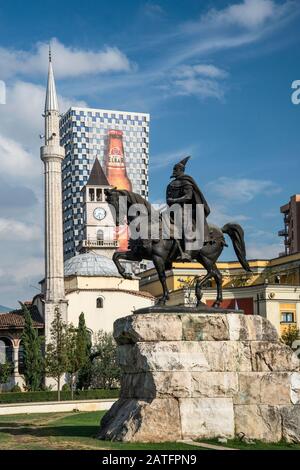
(15, 319)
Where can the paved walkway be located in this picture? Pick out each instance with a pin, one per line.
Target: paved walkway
(56, 406)
(206, 445)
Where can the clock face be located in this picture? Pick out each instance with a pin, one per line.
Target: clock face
(99, 213)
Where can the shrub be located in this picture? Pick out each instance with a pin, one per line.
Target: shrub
(29, 397)
(66, 388)
(16, 388)
(290, 334)
(105, 370)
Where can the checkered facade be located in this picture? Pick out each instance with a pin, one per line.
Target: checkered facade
(84, 133)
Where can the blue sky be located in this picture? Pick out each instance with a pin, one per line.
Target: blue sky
(214, 75)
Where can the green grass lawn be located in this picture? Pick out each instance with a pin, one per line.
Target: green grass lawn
(236, 444)
(55, 431)
(78, 430)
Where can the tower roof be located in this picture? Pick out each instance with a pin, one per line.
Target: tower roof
(97, 176)
(51, 103)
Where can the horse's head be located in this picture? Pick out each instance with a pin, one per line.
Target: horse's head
(122, 201)
(112, 196)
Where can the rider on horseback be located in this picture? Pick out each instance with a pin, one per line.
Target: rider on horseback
(184, 190)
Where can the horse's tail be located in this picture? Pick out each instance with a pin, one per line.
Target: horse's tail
(236, 234)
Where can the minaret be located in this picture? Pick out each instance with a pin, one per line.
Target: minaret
(52, 155)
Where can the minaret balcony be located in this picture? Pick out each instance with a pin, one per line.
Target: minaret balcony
(52, 152)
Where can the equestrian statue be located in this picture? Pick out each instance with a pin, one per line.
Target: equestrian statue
(182, 192)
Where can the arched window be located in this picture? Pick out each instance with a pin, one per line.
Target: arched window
(6, 351)
(91, 194)
(100, 235)
(99, 194)
(21, 359)
(99, 302)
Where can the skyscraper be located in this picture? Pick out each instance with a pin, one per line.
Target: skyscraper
(84, 133)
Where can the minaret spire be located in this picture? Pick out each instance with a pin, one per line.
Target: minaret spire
(52, 154)
(51, 102)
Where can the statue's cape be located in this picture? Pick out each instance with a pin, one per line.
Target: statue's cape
(198, 195)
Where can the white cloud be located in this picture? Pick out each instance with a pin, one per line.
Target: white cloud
(248, 14)
(153, 10)
(263, 251)
(198, 87)
(21, 123)
(19, 280)
(69, 61)
(242, 190)
(11, 229)
(235, 26)
(201, 80)
(164, 159)
(16, 161)
(220, 215)
(206, 70)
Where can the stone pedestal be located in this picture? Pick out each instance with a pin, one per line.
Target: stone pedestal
(193, 376)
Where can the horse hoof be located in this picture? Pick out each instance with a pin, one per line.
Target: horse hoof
(127, 276)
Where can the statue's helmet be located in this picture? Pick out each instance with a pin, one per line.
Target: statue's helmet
(181, 165)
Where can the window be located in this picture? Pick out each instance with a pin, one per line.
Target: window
(99, 194)
(99, 302)
(91, 194)
(6, 351)
(21, 359)
(100, 235)
(287, 317)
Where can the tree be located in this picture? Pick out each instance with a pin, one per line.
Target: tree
(78, 350)
(290, 334)
(84, 345)
(56, 350)
(6, 370)
(32, 353)
(105, 370)
(72, 356)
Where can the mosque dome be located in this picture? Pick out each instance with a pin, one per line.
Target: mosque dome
(90, 264)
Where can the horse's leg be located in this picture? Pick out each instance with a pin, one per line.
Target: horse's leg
(198, 287)
(218, 278)
(126, 255)
(159, 264)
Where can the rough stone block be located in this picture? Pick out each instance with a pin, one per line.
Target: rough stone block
(250, 328)
(205, 328)
(291, 423)
(272, 356)
(261, 422)
(206, 417)
(295, 388)
(214, 384)
(269, 388)
(147, 327)
(219, 356)
(142, 421)
(156, 384)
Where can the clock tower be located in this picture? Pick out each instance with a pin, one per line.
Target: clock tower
(99, 227)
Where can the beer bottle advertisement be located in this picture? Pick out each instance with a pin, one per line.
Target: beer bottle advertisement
(117, 176)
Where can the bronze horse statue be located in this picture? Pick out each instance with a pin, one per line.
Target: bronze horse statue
(164, 251)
